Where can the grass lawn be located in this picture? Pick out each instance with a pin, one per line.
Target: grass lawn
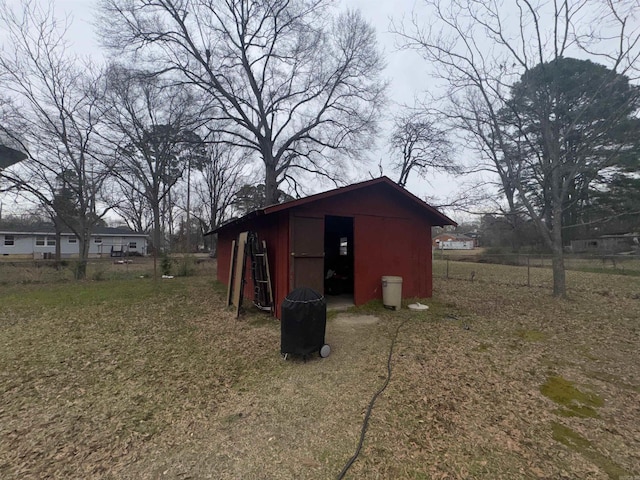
(136, 378)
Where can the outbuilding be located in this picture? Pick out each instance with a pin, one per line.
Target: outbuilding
(342, 242)
(451, 241)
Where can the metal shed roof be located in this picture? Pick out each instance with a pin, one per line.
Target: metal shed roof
(48, 229)
(437, 218)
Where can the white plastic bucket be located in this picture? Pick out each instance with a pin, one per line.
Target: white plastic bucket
(392, 292)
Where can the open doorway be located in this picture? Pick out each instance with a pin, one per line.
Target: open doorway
(338, 260)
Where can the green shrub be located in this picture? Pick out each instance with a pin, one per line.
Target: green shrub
(165, 264)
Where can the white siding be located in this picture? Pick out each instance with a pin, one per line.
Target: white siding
(22, 244)
(118, 242)
(26, 244)
(457, 245)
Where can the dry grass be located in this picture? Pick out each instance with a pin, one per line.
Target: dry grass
(25, 271)
(461, 262)
(144, 379)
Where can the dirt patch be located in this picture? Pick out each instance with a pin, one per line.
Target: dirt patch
(351, 320)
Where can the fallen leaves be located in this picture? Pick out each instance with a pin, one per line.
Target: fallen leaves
(141, 380)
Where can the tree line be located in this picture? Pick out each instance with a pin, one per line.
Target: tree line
(193, 94)
(541, 98)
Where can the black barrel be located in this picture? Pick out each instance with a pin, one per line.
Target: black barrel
(303, 322)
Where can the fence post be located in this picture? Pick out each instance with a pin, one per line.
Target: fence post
(528, 272)
(447, 268)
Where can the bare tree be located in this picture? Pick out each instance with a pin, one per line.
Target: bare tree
(56, 97)
(481, 50)
(202, 198)
(152, 126)
(129, 203)
(423, 146)
(220, 178)
(300, 85)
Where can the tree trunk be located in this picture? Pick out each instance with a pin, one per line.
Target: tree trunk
(169, 228)
(156, 237)
(404, 174)
(559, 277)
(188, 237)
(58, 237)
(58, 253)
(214, 224)
(83, 254)
(270, 186)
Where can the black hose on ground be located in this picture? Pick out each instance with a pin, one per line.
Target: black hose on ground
(365, 422)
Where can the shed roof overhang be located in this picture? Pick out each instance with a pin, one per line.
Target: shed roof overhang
(9, 156)
(435, 217)
(10, 150)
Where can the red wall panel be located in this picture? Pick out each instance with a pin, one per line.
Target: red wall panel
(390, 246)
(223, 253)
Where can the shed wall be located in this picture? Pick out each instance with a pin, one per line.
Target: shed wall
(274, 229)
(391, 237)
(391, 246)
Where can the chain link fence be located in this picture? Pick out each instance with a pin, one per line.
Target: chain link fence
(526, 269)
(27, 271)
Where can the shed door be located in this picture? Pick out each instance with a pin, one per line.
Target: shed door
(307, 253)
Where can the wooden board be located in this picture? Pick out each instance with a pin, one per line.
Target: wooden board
(266, 263)
(232, 258)
(240, 267)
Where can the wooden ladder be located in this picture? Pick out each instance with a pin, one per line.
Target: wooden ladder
(263, 293)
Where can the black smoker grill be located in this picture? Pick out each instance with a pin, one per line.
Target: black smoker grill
(303, 323)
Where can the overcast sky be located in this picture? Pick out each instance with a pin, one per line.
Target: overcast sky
(406, 71)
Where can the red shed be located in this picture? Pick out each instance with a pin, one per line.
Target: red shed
(342, 241)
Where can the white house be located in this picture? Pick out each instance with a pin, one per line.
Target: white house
(457, 245)
(40, 242)
(451, 241)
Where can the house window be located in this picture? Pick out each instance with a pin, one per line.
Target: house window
(73, 239)
(344, 245)
(133, 245)
(41, 241)
(9, 241)
(97, 240)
